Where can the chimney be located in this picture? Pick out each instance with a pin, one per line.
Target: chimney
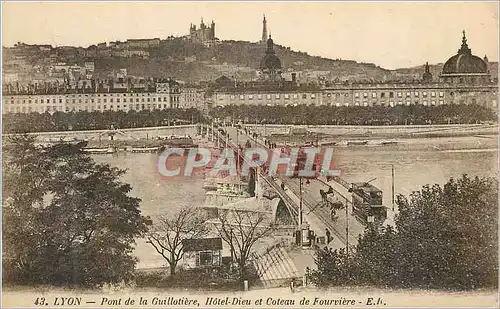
(294, 77)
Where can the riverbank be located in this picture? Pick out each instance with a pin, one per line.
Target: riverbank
(399, 131)
(367, 132)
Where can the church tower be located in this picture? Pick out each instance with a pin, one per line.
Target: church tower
(427, 76)
(264, 31)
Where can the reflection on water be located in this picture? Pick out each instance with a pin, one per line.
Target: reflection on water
(416, 162)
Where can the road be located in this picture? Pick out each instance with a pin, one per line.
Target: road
(312, 211)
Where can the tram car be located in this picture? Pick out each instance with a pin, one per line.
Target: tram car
(367, 203)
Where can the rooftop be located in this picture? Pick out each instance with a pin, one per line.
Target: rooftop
(202, 244)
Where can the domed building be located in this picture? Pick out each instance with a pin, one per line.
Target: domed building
(464, 67)
(270, 65)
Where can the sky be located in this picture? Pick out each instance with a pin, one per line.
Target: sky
(389, 34)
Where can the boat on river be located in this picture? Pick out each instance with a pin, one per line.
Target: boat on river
(356, 143)
(99, 150)
(146, 149)
(389, 143)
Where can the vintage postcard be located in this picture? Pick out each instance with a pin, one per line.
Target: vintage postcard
(250, 154)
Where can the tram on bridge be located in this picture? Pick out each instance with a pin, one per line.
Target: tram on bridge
(367, 203)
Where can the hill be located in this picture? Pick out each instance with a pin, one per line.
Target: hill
(191, 62)
(182, 59)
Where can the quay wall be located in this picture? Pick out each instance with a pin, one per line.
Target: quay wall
(382, 131)
(119, 135)
(267, 130)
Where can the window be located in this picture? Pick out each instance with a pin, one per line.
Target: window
(250, 97)
(441, 102)
(259, 96)
(416, 93)
(295, 96)
(356, 95)
(304, 96)
(433, 94)
(268, 97)
(425, 103)
(277, 96)
(408, 94)
(425, 94)
(441, 94)
(232, 97)
(391, 94)
(313, 96)
(433, 102)
(105, 100)
(400, 94)
(382, 95)
(287, 96)
(365, 95)
(111, 100)
(374, 95)
(242, 97)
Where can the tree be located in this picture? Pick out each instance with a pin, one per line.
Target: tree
(67, 220)
(448, 237)
(376, 257)
(241, 230)
(168, 233)
(445, 237)
(334, 268)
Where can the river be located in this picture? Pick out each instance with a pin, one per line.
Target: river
(416, 162)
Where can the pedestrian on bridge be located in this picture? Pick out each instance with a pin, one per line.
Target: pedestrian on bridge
(328, 236)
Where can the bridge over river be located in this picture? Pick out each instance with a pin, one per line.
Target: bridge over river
(344, 227)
